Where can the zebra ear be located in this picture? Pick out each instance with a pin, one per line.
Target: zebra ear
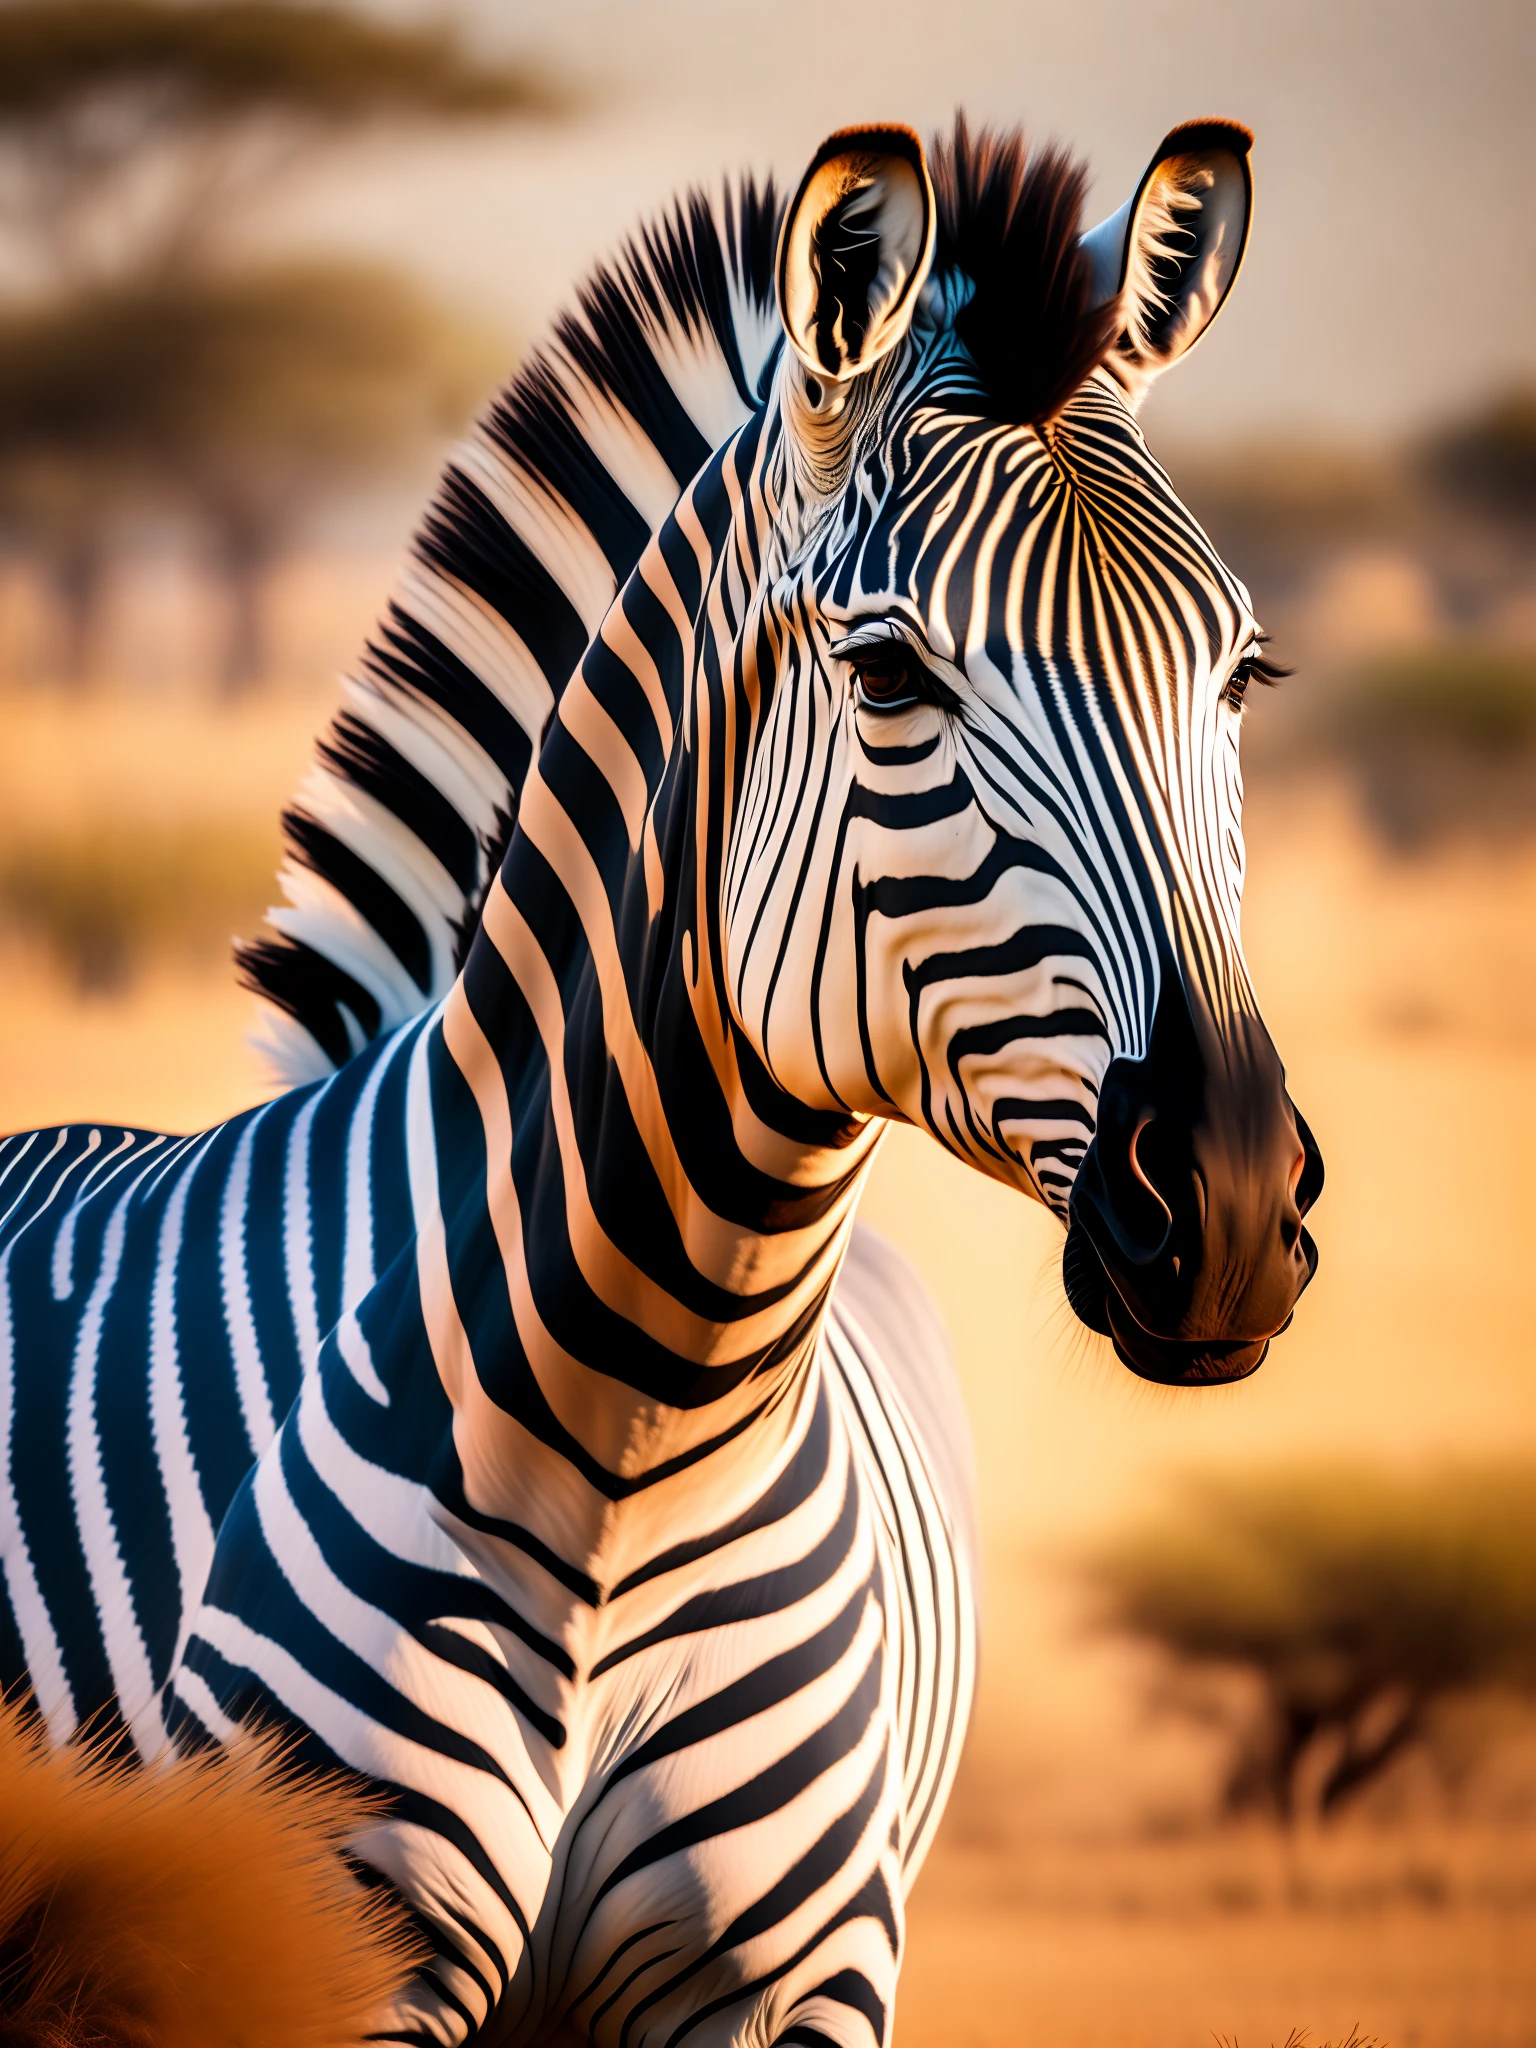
(855, 248)
(1171, 253)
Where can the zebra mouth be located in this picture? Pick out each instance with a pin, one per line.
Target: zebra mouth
(1167, 1361)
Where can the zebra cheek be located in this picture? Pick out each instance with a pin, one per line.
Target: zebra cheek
(904, 751)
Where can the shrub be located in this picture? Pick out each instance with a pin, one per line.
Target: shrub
(105, 899)
(1490, 458)
(1477, 697)
(1351, 1601)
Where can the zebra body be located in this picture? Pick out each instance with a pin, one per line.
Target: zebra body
(561, 1753)
(765, 741)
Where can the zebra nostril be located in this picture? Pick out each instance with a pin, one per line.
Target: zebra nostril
(1127, 1169)
(1147, 1120)
(1146, 1164)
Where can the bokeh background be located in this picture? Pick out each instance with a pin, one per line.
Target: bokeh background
(1255, 1747)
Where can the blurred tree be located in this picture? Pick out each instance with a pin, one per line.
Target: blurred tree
(129, 128)
(1490, 459)
(60, 513)
(242, 397)
(1450, 694)
(1351, 1602)
(139, 371)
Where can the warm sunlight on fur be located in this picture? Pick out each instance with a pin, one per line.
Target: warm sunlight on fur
(194, 1906)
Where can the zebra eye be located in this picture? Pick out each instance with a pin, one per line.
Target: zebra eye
(1235, 689)
(1255, 663)
(889, 677)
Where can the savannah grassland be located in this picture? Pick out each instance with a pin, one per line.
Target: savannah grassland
(1077, 1898)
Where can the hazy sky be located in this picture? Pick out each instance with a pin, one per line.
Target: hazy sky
(1391, 274)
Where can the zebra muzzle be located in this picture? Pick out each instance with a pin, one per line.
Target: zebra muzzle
(1187, 1247)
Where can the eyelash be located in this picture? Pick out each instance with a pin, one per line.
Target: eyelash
(1253, 664)
(895, 669)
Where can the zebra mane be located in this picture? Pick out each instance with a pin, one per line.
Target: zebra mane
(395, 833)
(402, 820)
(1010, 221)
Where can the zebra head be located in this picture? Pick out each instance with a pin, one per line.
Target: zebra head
(986, 860)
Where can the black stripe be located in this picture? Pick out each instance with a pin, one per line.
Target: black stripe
(364, 757)
(393, 919)
(471, 542)
(309, 987)
(750, 1599)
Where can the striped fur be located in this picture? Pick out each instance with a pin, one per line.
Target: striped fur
(514, 1417)
(540, 517)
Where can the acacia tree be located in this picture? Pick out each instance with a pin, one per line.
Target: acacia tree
(244, 397)
(1352, 1602)
(135, 367)
(130, 128)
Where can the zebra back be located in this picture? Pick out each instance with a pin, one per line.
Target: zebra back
(401, 822)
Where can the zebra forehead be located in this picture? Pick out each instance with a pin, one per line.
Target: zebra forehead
(982, 532)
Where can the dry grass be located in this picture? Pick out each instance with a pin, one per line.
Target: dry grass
(1354, 1871)
(1298, 2038)
(104, 901)
(1159, 1946)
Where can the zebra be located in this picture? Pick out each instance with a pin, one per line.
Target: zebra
(806, 705)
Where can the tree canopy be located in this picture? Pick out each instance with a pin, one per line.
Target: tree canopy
(129, 127)
(144, 364)
(1353, 1600)
(230, 56)
(234, 400)
(1490, 459)
(319, 362)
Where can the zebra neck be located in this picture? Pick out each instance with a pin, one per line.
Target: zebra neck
(648, 1228)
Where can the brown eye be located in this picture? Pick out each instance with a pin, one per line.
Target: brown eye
(887, 677)
(1254, 664)
(1237, 683)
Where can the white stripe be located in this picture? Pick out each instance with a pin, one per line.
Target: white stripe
(369, 1746)
(457, 766)
(482, 639)
(393, 851)
(239, 1316)
(92, 1144)
(545, 524)
(195, 1693)
(58, 1144)
(127, 1653)
(616, 439)
(45, 1658)
(23, 1147)
(62, 1267)
(192, 1533)
(319, 915)
(297, 1238)
(398, 1514)
(357, 1356)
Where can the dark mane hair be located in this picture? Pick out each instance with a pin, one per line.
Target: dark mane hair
(1010, 220)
